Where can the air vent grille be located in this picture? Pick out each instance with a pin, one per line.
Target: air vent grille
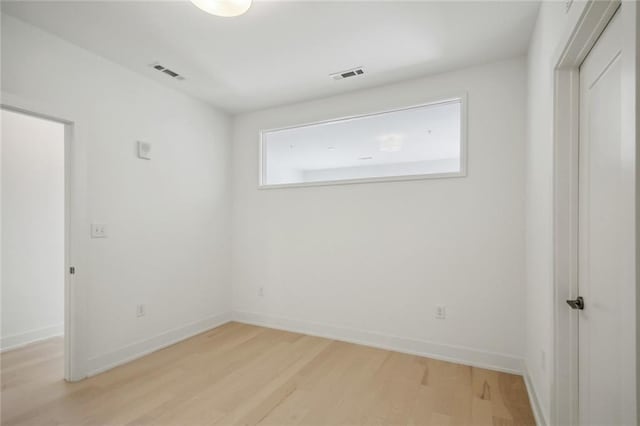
(347, 73)
(167, 71)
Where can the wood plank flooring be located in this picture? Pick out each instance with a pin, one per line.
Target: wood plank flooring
(242, 374)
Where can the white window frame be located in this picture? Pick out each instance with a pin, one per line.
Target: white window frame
(462, 97)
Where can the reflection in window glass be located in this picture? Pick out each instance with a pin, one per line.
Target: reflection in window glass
(423, 141)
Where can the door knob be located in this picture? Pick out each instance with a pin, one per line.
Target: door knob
(577, 303)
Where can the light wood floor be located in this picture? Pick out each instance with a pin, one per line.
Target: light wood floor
(241, 374)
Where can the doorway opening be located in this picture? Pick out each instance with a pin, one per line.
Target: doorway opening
(35, 244)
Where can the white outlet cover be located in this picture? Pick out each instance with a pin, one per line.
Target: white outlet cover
(98, 230)
(144, 150)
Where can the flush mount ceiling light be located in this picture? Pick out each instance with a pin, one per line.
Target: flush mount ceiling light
(225, 8)
(391, 143)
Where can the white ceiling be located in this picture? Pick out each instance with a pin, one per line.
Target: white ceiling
(283, 51)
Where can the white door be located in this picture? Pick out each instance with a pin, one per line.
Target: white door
(601, 229)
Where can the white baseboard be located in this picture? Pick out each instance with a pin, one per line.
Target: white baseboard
(533, 399)
(457, 354)
(144, 347)
(18, 340)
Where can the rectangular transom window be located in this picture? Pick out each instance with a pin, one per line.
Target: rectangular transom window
(424, 141)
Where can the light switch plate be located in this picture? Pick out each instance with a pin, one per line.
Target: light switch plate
(98, 230)
(144, 150)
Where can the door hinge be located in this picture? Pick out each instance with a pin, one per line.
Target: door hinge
(72, 270)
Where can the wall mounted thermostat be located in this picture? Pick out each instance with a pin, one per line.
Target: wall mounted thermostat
(144, 150)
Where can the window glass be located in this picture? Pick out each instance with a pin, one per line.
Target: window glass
(422, 141)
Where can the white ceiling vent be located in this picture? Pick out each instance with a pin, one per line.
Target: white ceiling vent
(346, 74)
(167, 71)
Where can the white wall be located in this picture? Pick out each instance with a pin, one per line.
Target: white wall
(168, 219)
(33, 229)
(370, 261)
(539, 201)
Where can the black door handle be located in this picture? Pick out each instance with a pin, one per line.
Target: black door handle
(576, 304)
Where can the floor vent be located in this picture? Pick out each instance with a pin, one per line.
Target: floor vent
(346, 74)
(167, 71)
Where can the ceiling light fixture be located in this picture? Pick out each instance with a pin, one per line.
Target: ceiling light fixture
(226, 8)
(392, 142)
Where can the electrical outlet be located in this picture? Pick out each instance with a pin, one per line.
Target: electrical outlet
(441, 312)
(144, 150)
(140, 311)
(261, 292)
(98, 230)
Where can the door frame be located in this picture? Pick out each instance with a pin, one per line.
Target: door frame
(73, 336)
(587, 20)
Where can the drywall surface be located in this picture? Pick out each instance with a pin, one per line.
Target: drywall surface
(370, 262)
(549, 29)
(168, 218)
(33, 229)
